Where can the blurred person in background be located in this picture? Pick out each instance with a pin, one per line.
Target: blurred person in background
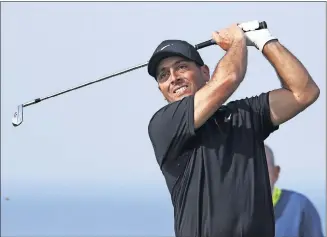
(295, 214)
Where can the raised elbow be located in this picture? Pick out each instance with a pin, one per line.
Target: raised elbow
(314, 93)
(310, 96)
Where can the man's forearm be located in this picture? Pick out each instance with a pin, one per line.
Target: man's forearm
(227, 76)
(293, 75)
(233, 64)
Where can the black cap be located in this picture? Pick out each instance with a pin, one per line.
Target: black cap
(170, 48)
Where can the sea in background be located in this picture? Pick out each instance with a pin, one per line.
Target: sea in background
(121, 213)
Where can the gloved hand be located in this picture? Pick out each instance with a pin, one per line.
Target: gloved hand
(257, 38)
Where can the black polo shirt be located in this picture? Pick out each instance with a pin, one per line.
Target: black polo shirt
(217, 175)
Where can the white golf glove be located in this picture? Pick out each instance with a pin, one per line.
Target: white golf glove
(257, 38)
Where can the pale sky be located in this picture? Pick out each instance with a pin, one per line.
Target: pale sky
(94, 142)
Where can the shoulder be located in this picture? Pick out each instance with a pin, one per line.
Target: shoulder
(159, 117)
(161, 111)
(297, 198)
(156, 121)
(157, 113)
(295, 194)
(171, 111)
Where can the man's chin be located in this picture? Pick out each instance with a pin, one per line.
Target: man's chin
(180, 97)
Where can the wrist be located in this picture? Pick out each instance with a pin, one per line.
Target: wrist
(260, 38)
(271, 46)
(239, 43)
(264, 41)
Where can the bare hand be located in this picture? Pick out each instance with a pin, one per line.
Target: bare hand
(226, 37)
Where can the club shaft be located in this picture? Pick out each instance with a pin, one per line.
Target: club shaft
(37, 100)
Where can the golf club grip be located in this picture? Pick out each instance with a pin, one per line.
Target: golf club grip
(262, 25)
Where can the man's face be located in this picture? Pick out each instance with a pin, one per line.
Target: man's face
(178, 78)
(272, 169)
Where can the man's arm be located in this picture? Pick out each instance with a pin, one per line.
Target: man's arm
(310, 222)
(298, 89)
(227, 76)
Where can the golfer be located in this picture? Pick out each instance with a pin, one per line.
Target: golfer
(212, 154)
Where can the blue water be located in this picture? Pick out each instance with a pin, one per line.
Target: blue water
(90, 216)
(85, 216)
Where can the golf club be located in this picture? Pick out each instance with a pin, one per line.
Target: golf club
(18, 115)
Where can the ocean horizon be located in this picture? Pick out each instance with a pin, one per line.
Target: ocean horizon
(91, 215)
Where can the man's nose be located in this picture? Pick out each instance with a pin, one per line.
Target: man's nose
(175, 77)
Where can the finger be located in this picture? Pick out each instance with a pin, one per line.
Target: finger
(216, 36)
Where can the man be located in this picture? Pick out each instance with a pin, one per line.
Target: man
(212, 155)
(295, 215)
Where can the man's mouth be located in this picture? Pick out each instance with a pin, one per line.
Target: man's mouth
(180, 90)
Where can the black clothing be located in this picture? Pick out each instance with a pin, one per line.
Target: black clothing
(217, 175)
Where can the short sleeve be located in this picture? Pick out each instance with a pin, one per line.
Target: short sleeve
(310, 223)
(171, 128)
(259, 110)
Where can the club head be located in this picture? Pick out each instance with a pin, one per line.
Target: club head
(18, 116)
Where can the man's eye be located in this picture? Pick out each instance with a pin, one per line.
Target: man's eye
(163, 75)
(182, 66)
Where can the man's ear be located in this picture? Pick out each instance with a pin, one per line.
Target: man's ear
(277, 171)
(206, 72)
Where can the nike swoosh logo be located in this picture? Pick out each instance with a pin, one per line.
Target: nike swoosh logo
(228, 118)
(165, 46)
